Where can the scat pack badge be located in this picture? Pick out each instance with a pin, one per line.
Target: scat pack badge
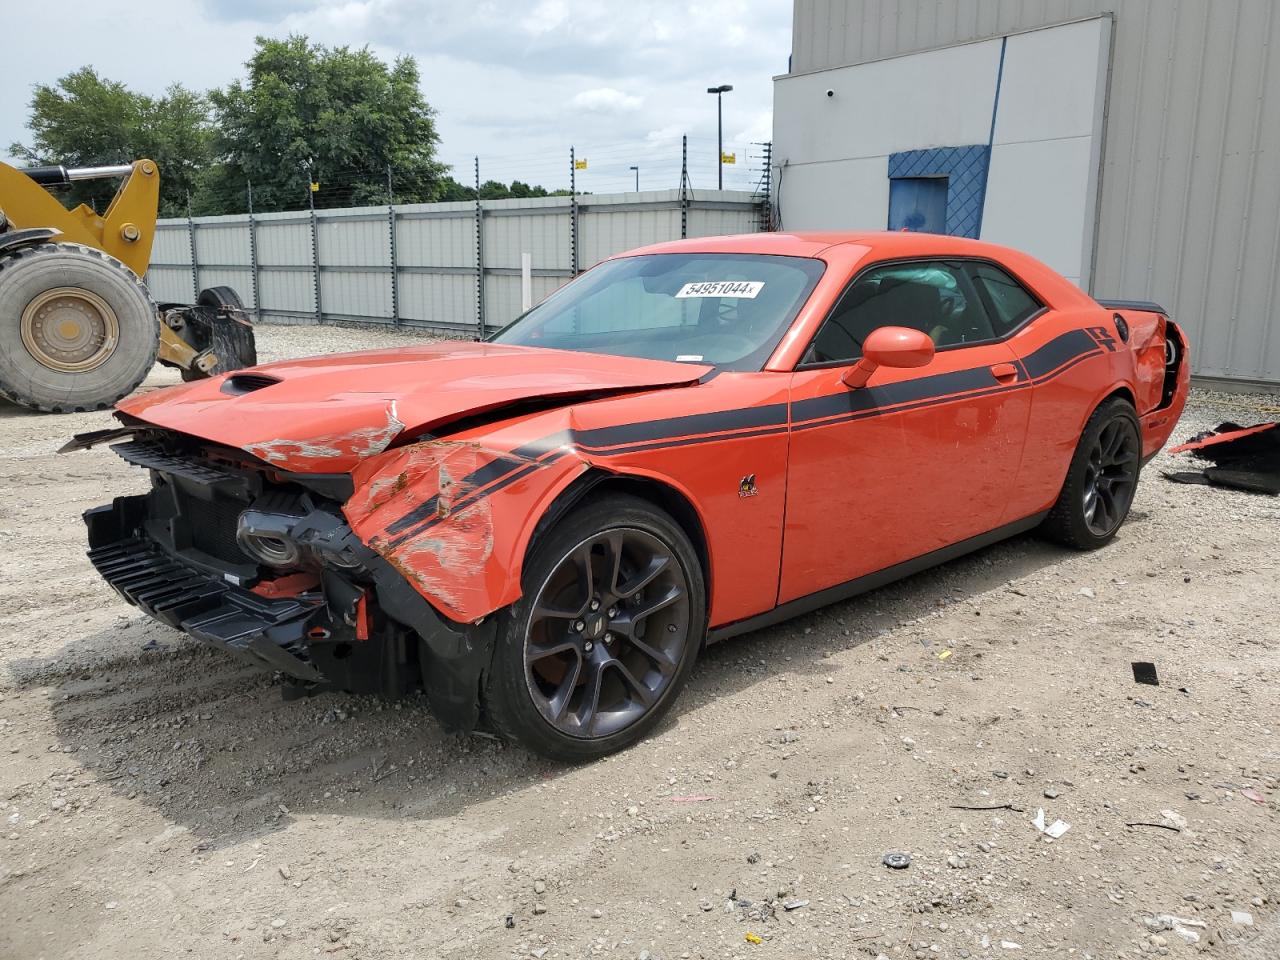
(747, 486)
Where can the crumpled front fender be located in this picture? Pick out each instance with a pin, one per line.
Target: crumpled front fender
(455, 517)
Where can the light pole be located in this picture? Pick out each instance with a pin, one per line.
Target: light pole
(637, 170)
(719, 92)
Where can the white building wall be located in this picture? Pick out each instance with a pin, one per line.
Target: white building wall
(833, 151)
(1043, 180)
(1189, 211)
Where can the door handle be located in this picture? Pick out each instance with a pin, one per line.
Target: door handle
(1004, 372)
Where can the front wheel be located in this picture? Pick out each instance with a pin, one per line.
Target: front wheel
(599, 646)
(1101, 480)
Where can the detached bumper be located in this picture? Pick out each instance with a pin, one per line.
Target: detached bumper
(266, 633)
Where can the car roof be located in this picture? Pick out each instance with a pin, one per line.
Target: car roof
(874, 245)
(881, 243)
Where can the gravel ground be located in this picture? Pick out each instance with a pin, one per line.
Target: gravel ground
(158, 800)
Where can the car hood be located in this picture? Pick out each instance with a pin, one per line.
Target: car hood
(325, 414)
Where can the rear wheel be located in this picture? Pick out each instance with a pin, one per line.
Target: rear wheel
(218, 328)
(599, 646)
(1101, 480)
(77, 328)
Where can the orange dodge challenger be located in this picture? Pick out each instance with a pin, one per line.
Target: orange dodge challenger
(687, 442)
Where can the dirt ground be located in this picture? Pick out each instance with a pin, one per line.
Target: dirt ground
(158, 800)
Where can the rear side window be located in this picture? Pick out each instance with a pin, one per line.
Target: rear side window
(1009, 304)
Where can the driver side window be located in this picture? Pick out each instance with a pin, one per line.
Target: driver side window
(934, 296)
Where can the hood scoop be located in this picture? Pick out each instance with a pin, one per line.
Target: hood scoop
(239, 384)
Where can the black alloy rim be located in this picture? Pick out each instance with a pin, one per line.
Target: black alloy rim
(607, 633)
(1110, 477)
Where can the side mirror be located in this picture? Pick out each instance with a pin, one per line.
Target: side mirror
(889, 347)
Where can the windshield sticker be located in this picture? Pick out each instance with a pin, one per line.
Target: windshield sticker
(689, 358)
(740, 289)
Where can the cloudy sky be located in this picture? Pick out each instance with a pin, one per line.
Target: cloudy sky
(515, 82)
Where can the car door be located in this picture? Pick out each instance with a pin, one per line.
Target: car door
(916, 460)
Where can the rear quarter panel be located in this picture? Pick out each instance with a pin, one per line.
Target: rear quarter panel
(1146, 342)
(1074, 359)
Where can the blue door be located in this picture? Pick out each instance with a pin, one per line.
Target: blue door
(918, 204)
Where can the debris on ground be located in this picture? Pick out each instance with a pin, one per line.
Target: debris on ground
(1244, 458)
(1144, 672)
(896, 861)
(1183, 927)
(1054, 830)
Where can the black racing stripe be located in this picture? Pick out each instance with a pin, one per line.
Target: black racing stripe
(868, 399)
(689, 441)
(423, 511)
(482, 476)
(1059, 371)
(771, 415)
(467, 500)
(1058, 351)
(1046, 356)
(490, 472)
(907, 408)
(1054, 358)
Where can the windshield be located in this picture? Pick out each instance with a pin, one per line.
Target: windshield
(723, 309)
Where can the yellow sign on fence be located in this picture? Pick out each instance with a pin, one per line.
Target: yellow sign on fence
(728, 158)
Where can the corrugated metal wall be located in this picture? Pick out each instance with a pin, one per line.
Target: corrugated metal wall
(1190, 201)
(431, 281)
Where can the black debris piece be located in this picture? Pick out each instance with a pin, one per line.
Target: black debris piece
(1243, 458)
(1158, 826)
(1144, 672)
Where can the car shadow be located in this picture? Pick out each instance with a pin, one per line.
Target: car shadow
(211, 746)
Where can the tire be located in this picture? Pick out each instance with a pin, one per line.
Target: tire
(113, 338)
(574, 650)
(232, 342)
(217, 297)
(1101, 480)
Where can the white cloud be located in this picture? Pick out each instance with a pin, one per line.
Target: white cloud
(607, 100)
(546, 17)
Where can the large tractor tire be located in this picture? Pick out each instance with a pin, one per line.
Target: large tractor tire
(219, 327)
(77, 328)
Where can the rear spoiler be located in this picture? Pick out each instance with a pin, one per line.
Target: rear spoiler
(1146, 306)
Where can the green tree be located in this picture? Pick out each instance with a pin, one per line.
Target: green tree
(451, 189)
(336, 115)
(85, 120)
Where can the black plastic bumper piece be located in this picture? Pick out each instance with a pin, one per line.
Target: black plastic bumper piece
(267, 633)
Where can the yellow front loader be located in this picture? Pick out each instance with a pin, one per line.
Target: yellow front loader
(78, 327)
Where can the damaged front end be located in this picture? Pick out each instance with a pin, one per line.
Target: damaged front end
(263, 564)
(309, 516)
